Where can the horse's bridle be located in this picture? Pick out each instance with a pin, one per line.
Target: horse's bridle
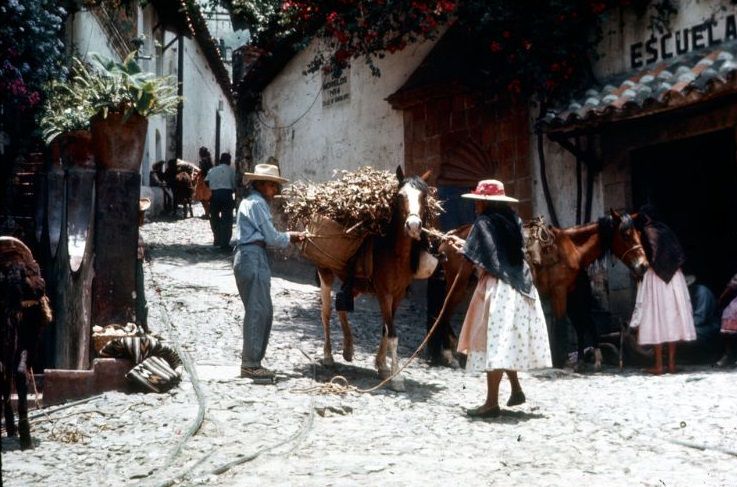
(624, 255)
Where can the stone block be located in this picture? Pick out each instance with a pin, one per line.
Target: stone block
(106, 374)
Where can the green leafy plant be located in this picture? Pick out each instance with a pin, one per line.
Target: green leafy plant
(122, 87)
(63, 111)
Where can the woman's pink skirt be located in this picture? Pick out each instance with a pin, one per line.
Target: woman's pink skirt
(729, 318)
(663, 310)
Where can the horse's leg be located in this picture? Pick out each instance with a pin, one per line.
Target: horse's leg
(385, 305)
(397, 383)
(326, 286)
(21, 387)
(347, 336)
(558, 345)
(7, 378)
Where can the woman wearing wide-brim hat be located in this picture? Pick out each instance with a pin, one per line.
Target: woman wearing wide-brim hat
(254, 232)
(504, 329)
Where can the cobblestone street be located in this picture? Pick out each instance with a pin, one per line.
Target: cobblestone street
(608, 428)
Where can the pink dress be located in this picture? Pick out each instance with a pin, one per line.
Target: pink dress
(504, 329)
(663, 310)
(729, 318)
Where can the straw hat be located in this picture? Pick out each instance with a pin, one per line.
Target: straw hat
(265, 172)
(489, 190)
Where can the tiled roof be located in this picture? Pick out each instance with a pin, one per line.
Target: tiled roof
(680, 81)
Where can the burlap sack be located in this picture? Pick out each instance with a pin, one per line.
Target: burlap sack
(328, 245)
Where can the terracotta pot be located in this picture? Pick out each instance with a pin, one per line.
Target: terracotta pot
(76, 149)
(117, 144)
(55, 152)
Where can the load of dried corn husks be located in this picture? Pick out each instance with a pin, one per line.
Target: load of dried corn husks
(360, 199)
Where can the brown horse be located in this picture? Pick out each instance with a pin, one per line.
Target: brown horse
(395, 260)
(561, 279)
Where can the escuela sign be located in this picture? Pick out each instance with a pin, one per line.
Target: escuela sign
(670, 44)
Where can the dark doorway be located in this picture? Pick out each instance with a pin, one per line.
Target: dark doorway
(693, 184)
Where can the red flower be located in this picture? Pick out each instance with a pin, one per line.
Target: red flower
(495, 46)
(342, 55)
(515, 86)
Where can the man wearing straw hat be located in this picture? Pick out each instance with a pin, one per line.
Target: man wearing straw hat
(254, 231)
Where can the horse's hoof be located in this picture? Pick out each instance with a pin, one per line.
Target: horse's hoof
(448, 360)
(328, 361)
(26, 443)
(348, 354)
(397, 385)
(384, 373)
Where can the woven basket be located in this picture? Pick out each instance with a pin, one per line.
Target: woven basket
(100, 340)
(328, 245)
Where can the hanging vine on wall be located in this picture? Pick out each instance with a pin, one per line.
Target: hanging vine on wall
(529, 46)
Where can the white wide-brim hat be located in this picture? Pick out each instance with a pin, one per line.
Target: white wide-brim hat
(265, 172)
(490, 190)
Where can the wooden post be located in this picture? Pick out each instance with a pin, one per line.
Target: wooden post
(116, 245)
(70, 295)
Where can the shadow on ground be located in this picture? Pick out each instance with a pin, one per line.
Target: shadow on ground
(364, 378)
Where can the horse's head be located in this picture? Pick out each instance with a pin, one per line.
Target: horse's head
(412, 202)
(626, 243)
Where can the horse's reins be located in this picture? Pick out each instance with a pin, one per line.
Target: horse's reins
(632, 249)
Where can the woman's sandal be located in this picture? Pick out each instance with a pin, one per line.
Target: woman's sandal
(484, 412)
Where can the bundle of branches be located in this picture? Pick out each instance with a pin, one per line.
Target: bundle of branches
(362, 199)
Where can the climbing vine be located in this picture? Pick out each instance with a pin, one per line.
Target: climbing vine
(529, 46)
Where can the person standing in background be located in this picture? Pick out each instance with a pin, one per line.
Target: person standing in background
(728, 303)
(221, 180)
(202, 193)
(663, 312)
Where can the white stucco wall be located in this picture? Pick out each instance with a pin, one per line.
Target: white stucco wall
(88, 36)
(625, 31)
(203, 96)
(310, 140)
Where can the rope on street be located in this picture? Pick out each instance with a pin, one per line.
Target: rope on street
(340, 385)
(189, 367)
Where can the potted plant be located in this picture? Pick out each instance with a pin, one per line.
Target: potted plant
(65, 122)
(121, 97)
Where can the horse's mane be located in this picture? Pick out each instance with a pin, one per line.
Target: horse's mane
(607, 229)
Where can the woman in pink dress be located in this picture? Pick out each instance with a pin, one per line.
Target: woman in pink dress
(504, 329)
(728, 301)
(663, 312)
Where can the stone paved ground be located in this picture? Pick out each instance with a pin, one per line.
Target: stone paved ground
(610, 428)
